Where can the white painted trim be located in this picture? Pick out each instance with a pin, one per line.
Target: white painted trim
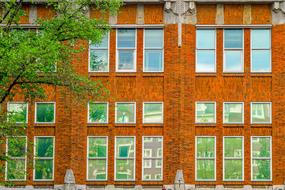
(107, 112)
(162, 110)
(27, 110)
(137, 25)
(270, 103)
(135, 114)
(234, 26)
(242, 113)
(215, 108)
(54, 113)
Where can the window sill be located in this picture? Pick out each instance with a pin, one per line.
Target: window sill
(261, 74)
(241, 125)
(233, 74)
(126, 74)
(98, 74)
(97, 124)
(125, 124)
(206, 74)
(152, 124)
(205, 124)
(153, 74)
(44, 124)
(261, 125)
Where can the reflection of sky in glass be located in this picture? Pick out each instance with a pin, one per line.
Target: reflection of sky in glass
(205, 61)
(126, 38)
(233, 61)
(260, 39)
(206, 39)
(233, 38)
(126, 59)
(153, 38)
(153, 60)
(260, 60)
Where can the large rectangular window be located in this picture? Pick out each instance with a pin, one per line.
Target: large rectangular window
(205, 158)
(125, 113)
(97, 112)
(44, 158)
(233, 50)
(152, 112)
(97, 157)
(45, 112)
(205, 50)
(260, 50)
(152, 158)
(153, 50)
(261, 168)
(205, 112)
(125, 159)
(16, 162)
(233, 158)
(261, 112)
(233, 112)
(17, 112)
(126, 50)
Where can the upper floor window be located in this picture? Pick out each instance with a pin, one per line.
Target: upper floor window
(126, 50)
(261, 112)
(97, 112)
(233, 112)
(152, 112)
(233, 50)
(45, 112)
(260, 50)
(153, 50)
(17, 112)
(205, 50)
(125, 112)
(205, 112)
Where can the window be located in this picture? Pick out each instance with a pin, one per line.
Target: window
(97, 158)
(97, 112)
(99, 56)
(125, 159)
(261, 112)
(153, 50)
(152, 112)
(233, 50)
(16, 163)
(152, 158)
(233, 158)
(126, 50)
(205, 158)
(17, 112)
(205, 50)
(45, 112)
(261, 158)
(205, 112)
(233, 112)
(260, 50)
(44, 158)
(125, 113)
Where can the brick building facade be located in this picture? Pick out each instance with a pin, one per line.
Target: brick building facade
(194, 93)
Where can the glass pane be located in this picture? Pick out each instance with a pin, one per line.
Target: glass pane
(44, 147)
(233, 61)
(124, 169)
(153, 113)
(97, 169)
(205, 39)
(205, 147)
(153, 60)
(98, 112)
(152, 147)
(152, 168)
(102, 44)
(261, 113)
(233, 147)
(45, 112)
(17, 146)
(260, 39)
(261, 169)
(260, 147)
(16, 169)
(233, 38)
(233, 113)
(126, 38)
(99, 60)
(233, 170)
(125, 147)
(43, 169)
(125, 113)
(205, 61)
(205, 112)
(205, 169)
(153, 38)
(261, 61)
(17, 112)
(98, 147)
(126, 60)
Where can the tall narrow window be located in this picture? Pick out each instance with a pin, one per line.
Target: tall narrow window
(18, 112)
(126, 50)
(233, 158)
(125, 159)
(152, 158)
(97, 158)
(152, 112)
(233, 50)
(261, 159)
(44, 158)
(205, 158)
(97, 112)
(99, 56)
(261, 112)
(233, 112)
(125, 113)
(153, 50)
(205, 50)
(205, 112)
(260, 50)
(45, 112)
(16, 163)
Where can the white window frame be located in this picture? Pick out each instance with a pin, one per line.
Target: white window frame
(133, 49)
(242, 122)
(270, 49)
(233, 49)
(154, 48)
(54, 113)
(233, 158)
(215, 158)
(106, 158)
(115, 158)
(264, 158)
(27, 110)
(251, 103)
(196, 112)
(88, 112)
(16, 158)
(44, 158)
(162, 112)
(215, 50)
(116, 110)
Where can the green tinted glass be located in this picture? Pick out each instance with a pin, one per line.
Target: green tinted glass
(45, 113)
(205, 147)
(44, 169)
(44, 147)
(233, 147)
(98, 112)
(233, 169)
(17, 112)
(124, 169)
(261, 170)
(16, 169)
(260, 147)
(97, 169)
(205, 169)
(97, 147)
(17, 146)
